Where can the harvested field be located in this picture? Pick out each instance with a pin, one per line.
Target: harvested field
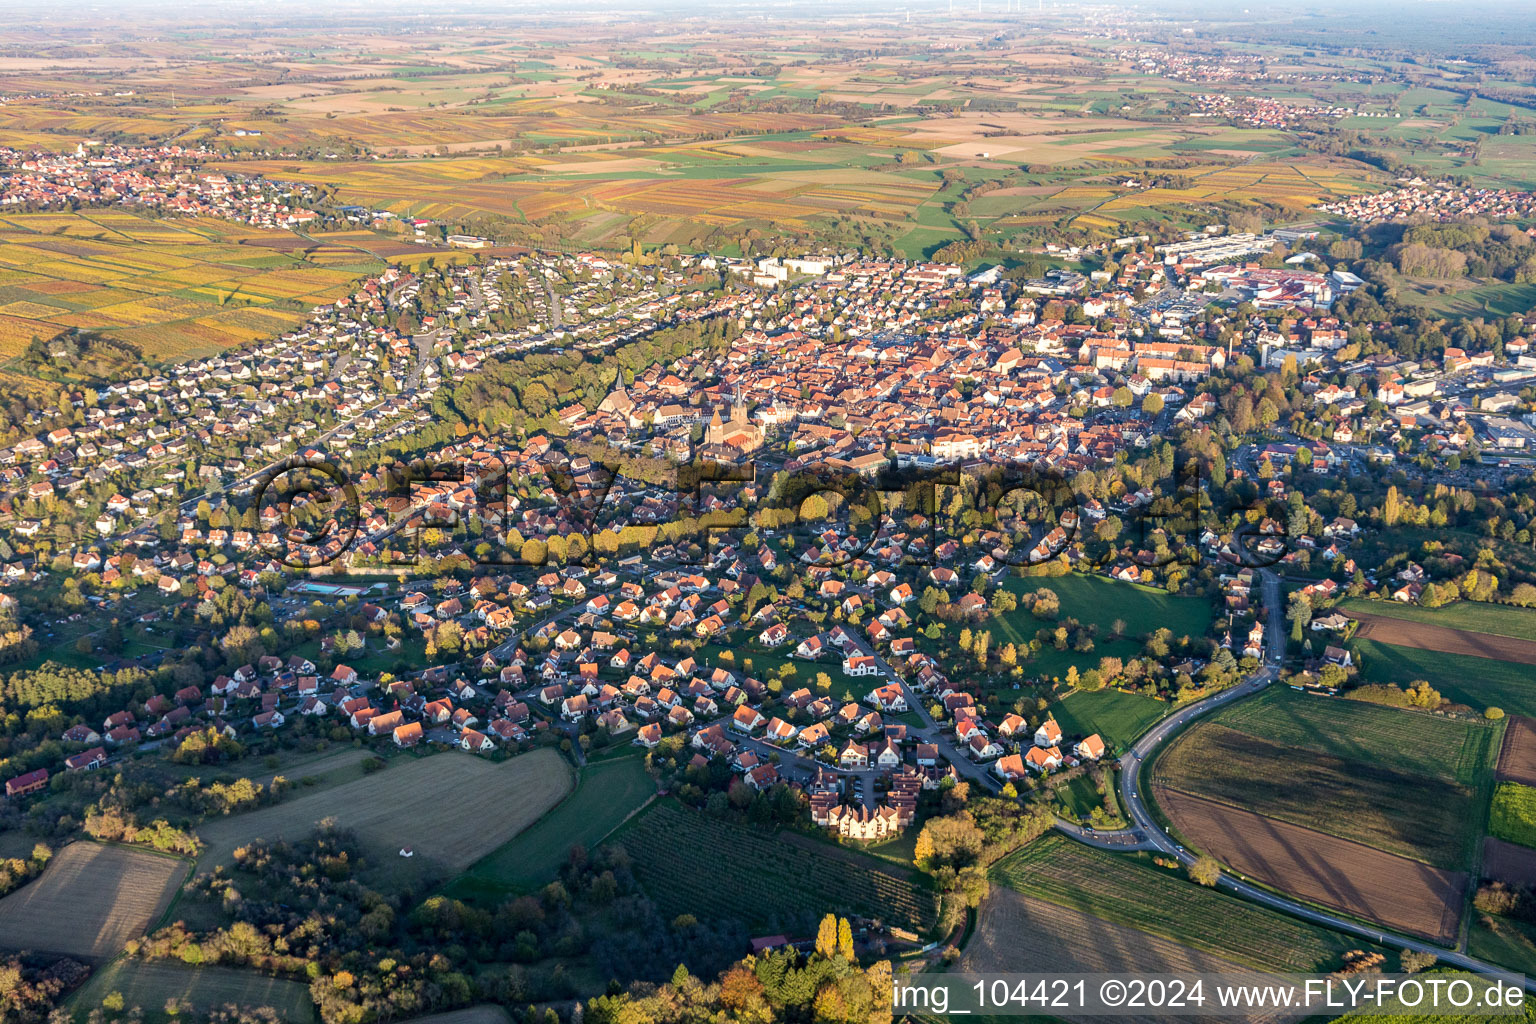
(1509, 862)
(405, 805)
(1351, 877)
(1517, 756)
(1427, 637)
(1010, 925)
(90, 901)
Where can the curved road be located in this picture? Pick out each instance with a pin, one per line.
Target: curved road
(1146, 834)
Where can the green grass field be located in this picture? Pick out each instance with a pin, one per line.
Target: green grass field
(1503, 941)
(1514, 813)
(148, 984)
(690, 862)
(1098, 601)
(1405, 741)
(1410, 814)
(1117, 716)
(1130, 890)
(1476, 682)
(1079, 796)
(1480, 617)
(606, 792)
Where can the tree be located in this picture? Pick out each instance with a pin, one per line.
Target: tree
(826, 936)
(922, 851)
(844, 939)
(1205, 870)
(1152, 404)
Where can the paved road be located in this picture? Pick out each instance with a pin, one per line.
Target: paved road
(1150, 835)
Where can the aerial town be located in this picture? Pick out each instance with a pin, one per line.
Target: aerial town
(768, 523)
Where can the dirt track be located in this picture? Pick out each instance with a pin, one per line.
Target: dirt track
(1427, 637)
(1400, 893)
(1517, 756)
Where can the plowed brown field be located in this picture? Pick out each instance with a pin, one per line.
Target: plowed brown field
(1400, 893)
(1508, 862)
(1428, 637)
(1517, 756)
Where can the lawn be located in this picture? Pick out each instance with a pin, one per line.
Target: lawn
(1478, 616)
(606, 792)
(148, 984)
(1099, 602)
(1476, 682)
(691, 862)
(1118, 717)
(1514, 813)
(1130, 890)
(1079, 796)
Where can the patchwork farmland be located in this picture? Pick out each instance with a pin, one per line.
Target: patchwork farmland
(174, 289)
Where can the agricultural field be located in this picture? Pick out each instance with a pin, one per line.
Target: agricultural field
(405, 806)
(148, 984)
(1359, 880)
(173, 288)
(1117, 716)
(90, 900)
(1428, 636)
(1451, 751)
(1517, 754)
(693, 863)
(606, 792)
(1513, 816)
(1130, 892)
(1007, 940)
(1509, 862)
(487, 1013)
(1462, 678)
(1412, 815)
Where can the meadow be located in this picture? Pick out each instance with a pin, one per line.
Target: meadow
(1096, 601)
(1464, 679)
(607, 791)
(1416, 744)
(149, 984)
(1118, 717)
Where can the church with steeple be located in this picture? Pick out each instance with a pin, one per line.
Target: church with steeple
(739, 435)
